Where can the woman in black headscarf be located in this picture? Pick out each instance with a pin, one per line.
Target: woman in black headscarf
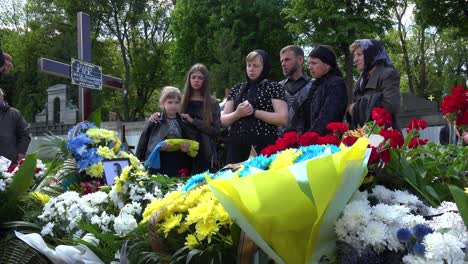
(329, 99)
(254, 109)
(378, 85)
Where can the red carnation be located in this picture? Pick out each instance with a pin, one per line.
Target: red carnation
(290, 135)
(337, 127)
(453, 103)
(329, 139)
(381, 116)
(374, 156)
(308, 138)
(385, 155)
(184, 172)
(416, 142)
(349, 141)
(462, 119)
(458, 90)
(270, 150)
(416, 124)
(395, 137)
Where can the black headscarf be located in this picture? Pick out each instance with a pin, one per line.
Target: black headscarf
(374, 54)
(327, 56)
(251, 87)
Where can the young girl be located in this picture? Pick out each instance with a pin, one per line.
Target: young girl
(171, 126)
(202, 113)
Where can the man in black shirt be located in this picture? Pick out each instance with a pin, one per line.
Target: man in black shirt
(297, 86)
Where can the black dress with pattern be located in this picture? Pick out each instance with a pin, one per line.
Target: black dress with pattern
(250, 131)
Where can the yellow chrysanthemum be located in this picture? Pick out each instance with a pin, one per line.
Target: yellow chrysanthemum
(191, 241)
(466, 190)
(200, 213)
(133, 160)
(105, 152)
(285, 158)
(206, 229)
(118, 185)
(183, 228)
(193, 197)
(222, 215)
(95, 170)
(157, 204)
(141, 174)
(117, 145)
(125, 173)
(171, 222)
(44, 198)
(98, 134)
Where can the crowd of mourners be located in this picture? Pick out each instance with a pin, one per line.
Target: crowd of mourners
(257, 111)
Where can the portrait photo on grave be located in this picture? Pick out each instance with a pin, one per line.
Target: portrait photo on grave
(113, 168)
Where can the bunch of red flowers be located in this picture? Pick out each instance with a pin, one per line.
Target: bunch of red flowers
(455, 106)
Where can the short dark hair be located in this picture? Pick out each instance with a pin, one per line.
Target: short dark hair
(298, 51)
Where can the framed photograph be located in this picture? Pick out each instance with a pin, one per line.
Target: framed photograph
(113, 168)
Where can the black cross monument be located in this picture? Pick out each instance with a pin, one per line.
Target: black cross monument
(84, 54)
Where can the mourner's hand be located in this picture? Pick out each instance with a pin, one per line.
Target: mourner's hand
(244, 109)
(187, 117)
(184, 147)
(8, 63)
(21, 156)
(465, 136)
(155, 117)
(163, 147)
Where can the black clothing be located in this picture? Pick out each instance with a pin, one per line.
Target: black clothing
(328, 103)
(2, 59)
(207, 158)
(298, 115)
(291, 87)
(238, 147)
(14, 133)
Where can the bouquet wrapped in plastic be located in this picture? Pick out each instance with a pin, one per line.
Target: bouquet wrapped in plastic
(290, 211)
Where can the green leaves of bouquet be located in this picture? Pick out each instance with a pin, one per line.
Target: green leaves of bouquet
(21, 182)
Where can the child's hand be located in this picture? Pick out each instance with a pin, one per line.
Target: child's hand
(155, 117)
(163, 146)
(185, 147)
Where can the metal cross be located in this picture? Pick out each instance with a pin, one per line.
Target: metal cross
(431, 97)
(84, 53)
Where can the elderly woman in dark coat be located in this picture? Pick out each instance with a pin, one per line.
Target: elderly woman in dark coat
(329, 99)
(378, 85)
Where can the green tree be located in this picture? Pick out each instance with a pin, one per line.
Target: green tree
(444, 14)
(338, 23)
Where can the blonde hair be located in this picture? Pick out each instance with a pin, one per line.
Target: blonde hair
(356, 44)
(252, 56)
(169, 92)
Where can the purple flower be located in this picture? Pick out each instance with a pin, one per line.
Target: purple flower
(419, 249)
(420, 231)
(404, 235)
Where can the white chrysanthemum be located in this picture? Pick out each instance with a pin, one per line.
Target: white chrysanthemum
(440, 247)
(157, 192)
(453, 223)
(96, 198)
(409, 221)
(375, 234)
(447, 206)
(90, 238)
(341, 229)
(357, 213)
(413, 259)
(382, 194)
(388, 213)
(132, 208)
(124, 224)
(48, 229)
(403, 197)
(115, 198)
(149, 197)
(393, 243)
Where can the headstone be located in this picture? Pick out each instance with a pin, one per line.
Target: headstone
(413, 106)
(59, 109)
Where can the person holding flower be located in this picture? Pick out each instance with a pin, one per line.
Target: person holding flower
(201, 112)
(378, 85)
(171, 126)
(254, 110)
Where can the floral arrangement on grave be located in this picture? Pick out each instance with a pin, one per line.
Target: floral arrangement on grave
(259, 194)
(88, 146)
(398, 227)
(455, 107)
(110, 215)
(191, 225)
